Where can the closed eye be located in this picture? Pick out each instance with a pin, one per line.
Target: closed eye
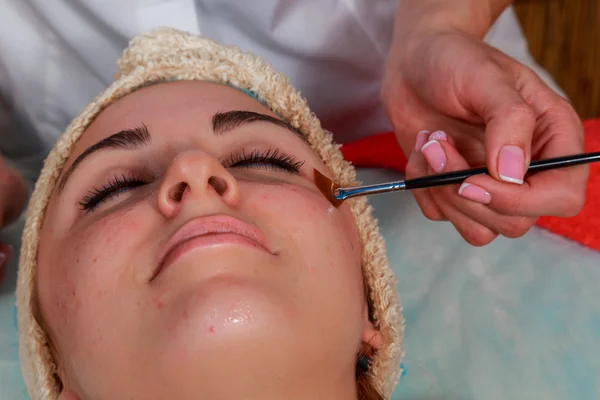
(266, 159)
(116, 185)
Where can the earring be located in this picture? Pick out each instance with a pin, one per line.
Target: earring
(362, 365)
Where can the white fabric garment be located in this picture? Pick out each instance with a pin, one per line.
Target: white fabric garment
(56, 55)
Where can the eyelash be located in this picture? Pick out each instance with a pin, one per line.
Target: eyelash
(116, 185)
(271, 159)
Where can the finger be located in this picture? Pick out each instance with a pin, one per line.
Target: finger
(561, 133)
(472, 231)
(441, 156)
(556, 192)
(417, 167)
(509, 120)
(506, 225)
(540, 195)
(470, 200)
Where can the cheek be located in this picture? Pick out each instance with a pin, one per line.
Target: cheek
(99, 253)
(80, 274)
(324, 258)
(305, 203)
(324, 238)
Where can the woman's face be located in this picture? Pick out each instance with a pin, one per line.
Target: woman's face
(192, 253)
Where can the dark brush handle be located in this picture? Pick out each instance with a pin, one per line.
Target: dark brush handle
(451, 178)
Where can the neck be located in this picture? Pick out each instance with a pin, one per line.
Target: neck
(278, 386)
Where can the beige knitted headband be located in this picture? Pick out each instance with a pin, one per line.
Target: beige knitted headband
(167, 54)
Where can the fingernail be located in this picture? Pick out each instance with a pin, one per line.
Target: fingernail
(511, 164)
(438, 135)
(474, 193)
(421, 139)
(435, 155)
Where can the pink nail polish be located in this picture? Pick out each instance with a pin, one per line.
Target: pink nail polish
(421, 139)
(474, 193)
(439, 135)
(434, 153)
(511, 164)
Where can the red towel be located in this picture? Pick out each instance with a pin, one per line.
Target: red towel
(382, 151)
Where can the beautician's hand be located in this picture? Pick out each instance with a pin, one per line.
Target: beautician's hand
(495, 112)
(13, 198)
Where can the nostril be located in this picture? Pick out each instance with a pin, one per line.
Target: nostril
(219, 184)
(176, 192)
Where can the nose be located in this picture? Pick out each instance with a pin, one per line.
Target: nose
(195, 176)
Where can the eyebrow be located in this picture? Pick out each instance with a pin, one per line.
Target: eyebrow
(223, 122)
(135, 138)
(128, 139)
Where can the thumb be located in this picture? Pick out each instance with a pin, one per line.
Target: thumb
(509, 126)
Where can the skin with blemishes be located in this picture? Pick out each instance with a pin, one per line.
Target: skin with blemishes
(223, 321)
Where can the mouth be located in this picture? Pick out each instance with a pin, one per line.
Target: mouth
(210, 231)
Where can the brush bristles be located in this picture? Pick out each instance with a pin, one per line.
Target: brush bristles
(327, 187)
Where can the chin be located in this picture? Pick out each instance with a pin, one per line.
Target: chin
(227, 323)
(228, 311)
(223, 335)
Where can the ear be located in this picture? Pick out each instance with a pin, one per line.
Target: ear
(67, 395)
(371, 337)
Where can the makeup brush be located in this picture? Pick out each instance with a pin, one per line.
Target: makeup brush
(336, 194)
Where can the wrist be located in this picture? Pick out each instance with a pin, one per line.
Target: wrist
(472, 17)
(419, 21)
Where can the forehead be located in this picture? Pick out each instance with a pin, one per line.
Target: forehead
(168, 104)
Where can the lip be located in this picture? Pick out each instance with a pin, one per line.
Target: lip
(207, 232)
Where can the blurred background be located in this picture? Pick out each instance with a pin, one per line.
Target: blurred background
(564, 37)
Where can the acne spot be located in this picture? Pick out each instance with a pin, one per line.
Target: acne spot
(211, 329)
(265, 197)
(160, 305)
(331, 265)
(74, 292)
(95, 259)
